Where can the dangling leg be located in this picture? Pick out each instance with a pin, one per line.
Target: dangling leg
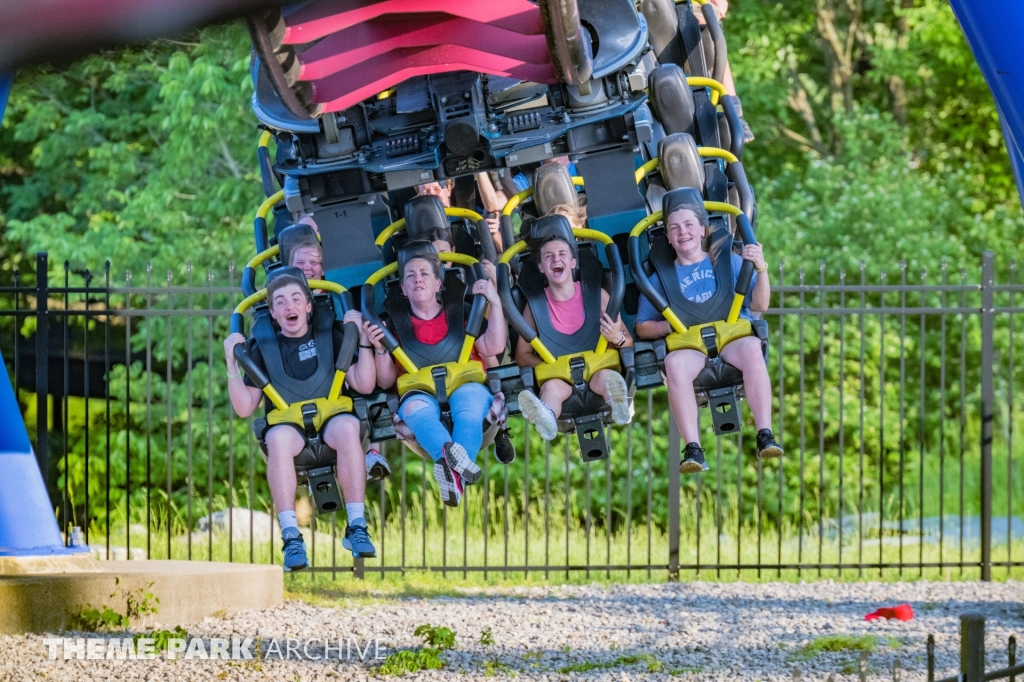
(543, 412)
(681, 368)
(610, 385)
(342, 434)
(423, 417)
(745, 355)
(284, 443)
(470, 404)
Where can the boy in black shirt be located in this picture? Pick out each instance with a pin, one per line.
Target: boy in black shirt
(291, 306)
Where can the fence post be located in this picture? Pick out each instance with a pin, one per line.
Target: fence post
(972, 647)
(673, 500)
(987, 408)
(43, 368)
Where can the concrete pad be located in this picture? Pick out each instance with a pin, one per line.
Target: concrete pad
(188, 591)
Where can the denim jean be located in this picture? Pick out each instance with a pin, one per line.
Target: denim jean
(469, 404)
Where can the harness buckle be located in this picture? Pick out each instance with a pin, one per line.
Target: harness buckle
(577, 366)
(440, 376)
(710, 338)
(309, 413)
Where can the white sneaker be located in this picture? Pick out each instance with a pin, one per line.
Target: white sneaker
(540, 415)
(618, 397)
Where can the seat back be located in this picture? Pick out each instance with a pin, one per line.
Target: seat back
(552, 186)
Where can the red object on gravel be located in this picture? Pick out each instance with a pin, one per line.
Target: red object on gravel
(901, 612)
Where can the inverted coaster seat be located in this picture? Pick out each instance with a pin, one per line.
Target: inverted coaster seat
(307, 405)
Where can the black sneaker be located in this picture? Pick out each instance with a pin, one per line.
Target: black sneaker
(693, 459)
(767, 448)
(504, 451)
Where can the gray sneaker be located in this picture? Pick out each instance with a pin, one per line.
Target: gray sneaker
(618, 396)
(376, 466)
(458, 459)
(540, 415)
(448, 483)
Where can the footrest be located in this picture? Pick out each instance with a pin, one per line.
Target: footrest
(725, 412)
(323, 486)
(590, 434)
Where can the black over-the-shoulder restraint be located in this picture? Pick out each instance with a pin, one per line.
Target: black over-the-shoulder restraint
(663, 258)
(532, 284)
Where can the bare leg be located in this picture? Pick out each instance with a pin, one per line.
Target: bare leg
(283, 444)
(745, 355)
(681, 368)
(342, 434)
(554, 392)
(597, 383)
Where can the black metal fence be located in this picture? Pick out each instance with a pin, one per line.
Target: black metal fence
(895, 402)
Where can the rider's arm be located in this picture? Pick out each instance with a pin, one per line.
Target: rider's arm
(649, 322)
(622, 337)
(244, 398)
(525, 355)
(762, 293)
(362, 374)
(385, 366)
(492, 341)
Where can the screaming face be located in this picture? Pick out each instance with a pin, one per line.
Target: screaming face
(557, 262)
(290, 309)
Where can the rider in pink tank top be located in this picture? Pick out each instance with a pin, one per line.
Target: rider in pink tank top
(566, 316)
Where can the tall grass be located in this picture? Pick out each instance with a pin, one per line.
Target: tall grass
(558, 548)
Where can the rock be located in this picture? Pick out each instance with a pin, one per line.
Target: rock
(264, 527)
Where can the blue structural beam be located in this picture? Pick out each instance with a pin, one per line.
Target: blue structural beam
(994, 29)
(28, 526)
(5, 91)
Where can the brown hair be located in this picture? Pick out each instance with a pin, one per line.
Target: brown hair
(287, 279)
(442, 234)
(429, 256)
(706, 244)
(302, 240)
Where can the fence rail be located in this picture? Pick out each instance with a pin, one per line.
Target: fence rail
(895, 402)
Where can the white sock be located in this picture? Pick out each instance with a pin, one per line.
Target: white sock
(288, 519)
(355, 511)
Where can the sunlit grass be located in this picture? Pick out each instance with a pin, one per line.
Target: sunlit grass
(441, 551)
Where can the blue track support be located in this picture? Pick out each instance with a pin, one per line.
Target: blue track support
(5, 90)
(993, 29)
(28, 526)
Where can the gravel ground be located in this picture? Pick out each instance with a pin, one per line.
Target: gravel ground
(706, 631)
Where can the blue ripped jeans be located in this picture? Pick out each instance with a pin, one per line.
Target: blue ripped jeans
(469, 404)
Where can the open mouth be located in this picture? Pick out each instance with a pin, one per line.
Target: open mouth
(558, 270)
(292, 317)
